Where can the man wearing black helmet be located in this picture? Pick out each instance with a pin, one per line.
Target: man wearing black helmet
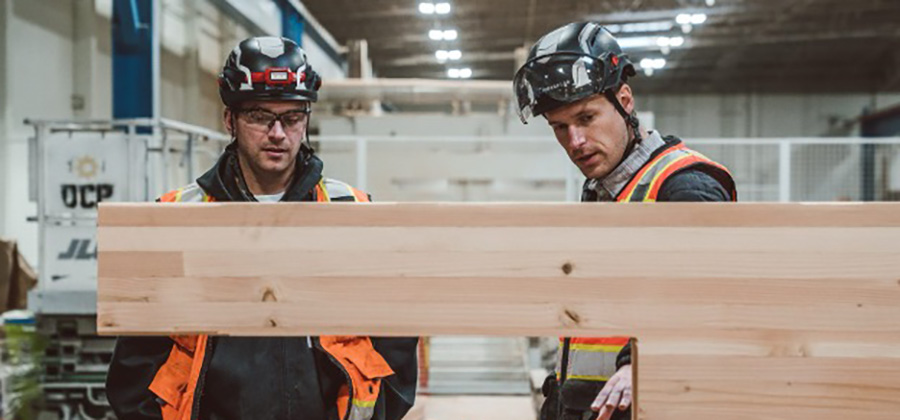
(267, 86)
(577, 78)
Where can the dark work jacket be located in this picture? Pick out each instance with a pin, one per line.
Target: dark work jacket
(258, 378)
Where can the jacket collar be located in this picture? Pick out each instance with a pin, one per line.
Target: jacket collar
(608, 187)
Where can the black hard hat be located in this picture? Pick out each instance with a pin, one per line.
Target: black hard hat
(569, 64)
(267, 68)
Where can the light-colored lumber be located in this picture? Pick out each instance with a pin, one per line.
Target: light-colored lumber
(783, 311)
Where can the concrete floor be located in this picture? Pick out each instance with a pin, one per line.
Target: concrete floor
(458, 407)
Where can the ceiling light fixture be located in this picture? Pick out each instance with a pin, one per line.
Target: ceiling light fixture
(426, 8)
(442, 8)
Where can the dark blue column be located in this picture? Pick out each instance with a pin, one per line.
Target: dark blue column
(291, 22)
(132, 59)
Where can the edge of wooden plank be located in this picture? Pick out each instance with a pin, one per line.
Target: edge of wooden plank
(502, 214)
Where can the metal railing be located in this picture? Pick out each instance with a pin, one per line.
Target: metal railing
(536, 169)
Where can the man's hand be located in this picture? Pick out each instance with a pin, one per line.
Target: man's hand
(615, 394)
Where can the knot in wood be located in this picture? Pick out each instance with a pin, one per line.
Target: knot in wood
(572, 316)
(567, 268)
(269, 295)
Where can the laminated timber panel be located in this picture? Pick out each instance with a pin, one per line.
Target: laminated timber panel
(783, 311)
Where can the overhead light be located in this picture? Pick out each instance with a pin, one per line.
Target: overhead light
(653, 63)
(454, 54)
(442, 8)
(441, 55)
(657, 26)
(463, 73)
(650, 65)
(450, 34)
(710, 3)
(690, 19)
(687, 28)
(426, 8)
(436, 34)
(675, 41)
(637, 42)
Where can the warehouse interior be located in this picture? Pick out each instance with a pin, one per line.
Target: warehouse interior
(800, 100)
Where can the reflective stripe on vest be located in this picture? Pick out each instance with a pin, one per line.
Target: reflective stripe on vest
(176, 380)
(189, 194)
(365, 368)
(646, 184)
(328, 189)
(591, 358)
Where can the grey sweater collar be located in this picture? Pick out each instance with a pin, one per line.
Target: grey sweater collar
(608, 187)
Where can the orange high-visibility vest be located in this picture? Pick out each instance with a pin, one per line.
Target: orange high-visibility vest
(177, 379)
(594, 358)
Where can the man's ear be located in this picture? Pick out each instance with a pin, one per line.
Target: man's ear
(227, 119)
(626, 98)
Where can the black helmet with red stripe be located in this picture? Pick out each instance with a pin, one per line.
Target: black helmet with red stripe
(267, 68)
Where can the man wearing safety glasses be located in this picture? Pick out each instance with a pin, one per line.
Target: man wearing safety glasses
(267, 86)
(577, 78)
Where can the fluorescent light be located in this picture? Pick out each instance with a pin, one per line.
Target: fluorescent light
(698, 18)
(687, 28)
(653, 63)
(426, 8)
(450, 34)
(442, 8)
(710, 3)
(453, 73)
(637, 42)
(683, 19)
(637, 27)
(436, 34)
(441, 55)
(454, 54)
(675, 41)
(465, 73)
(658, 26)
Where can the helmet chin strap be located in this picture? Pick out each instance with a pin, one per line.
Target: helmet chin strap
(307, 145)
(631, 120)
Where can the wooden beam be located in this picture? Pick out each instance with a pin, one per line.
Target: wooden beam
(742, 310)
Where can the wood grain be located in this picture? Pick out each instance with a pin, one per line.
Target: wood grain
(743, 311)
